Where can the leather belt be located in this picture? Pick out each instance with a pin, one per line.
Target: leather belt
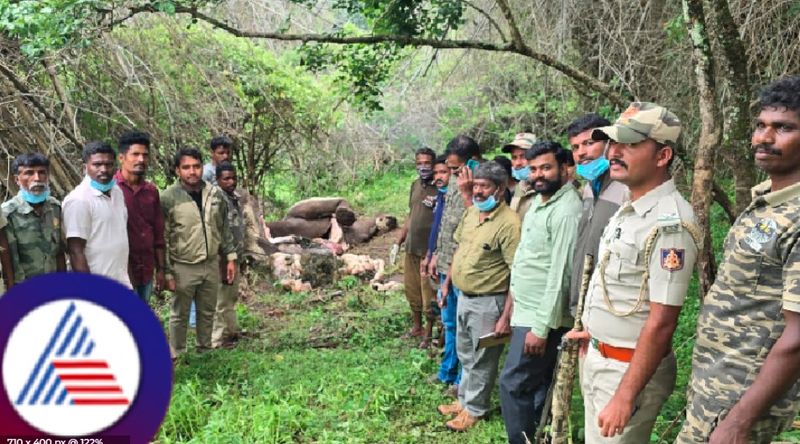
(473, 295)
(610, 352)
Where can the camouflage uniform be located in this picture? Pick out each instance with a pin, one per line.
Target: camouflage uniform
(647, 254)
(742, 318)
(35, 241)
(453, 210)
(225, 326)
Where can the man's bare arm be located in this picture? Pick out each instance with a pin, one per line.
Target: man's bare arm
(77, 254)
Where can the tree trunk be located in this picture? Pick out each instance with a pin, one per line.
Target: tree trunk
(710, 134)
(736, 107)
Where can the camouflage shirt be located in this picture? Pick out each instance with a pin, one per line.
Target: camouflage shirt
(742, 318)
(236, 221)
(35, 241)
(453, 210)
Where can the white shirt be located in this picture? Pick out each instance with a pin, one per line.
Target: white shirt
(102, 221)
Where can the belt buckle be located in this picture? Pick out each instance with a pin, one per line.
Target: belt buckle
(599, 346)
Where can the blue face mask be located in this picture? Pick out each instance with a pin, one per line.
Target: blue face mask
(593, 169)
(34, 199)
(486, 205)
(103, 187)
(472, 164)
(521, 173)
(442, 189)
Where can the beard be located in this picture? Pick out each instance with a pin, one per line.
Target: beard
(547, 187)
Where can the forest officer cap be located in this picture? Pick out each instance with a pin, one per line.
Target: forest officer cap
(521, 141)
(642, 120)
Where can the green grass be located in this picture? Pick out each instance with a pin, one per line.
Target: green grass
(332, 371)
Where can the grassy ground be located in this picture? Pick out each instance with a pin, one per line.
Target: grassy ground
(329, 367)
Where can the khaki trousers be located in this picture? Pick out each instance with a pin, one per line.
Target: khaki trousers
(418, 290)
(600, 378)
(225, 326)
(198, 283)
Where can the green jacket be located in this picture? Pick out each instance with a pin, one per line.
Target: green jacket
(192, 238)
(35, 241)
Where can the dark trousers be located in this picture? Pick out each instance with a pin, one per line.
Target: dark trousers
(524, 383)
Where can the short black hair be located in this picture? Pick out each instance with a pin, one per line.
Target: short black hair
(548, 146)
(29, 160)
(96, 147)
(570, 158)
(224, 166)
(425, 151)
(442, 158)
(221, 140)
(133, 138)
(504, 162)
(782, 93)
(464, 147)
(186, 151)
(586, 122)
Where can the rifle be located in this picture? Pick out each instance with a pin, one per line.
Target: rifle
(559, 395)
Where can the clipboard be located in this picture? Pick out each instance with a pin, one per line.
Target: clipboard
(491, 340)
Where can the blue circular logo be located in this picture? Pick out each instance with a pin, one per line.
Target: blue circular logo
(82, 356)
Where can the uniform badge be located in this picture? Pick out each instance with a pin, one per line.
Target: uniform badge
(763, 232)
(429, 201)
(672, 259)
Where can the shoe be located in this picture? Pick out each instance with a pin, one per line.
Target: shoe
(463, 422)
(450, 409)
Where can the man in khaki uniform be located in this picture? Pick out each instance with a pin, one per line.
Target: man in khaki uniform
(197, 233)
(744, 387)
(487, 239)
(415, 233)
(524, 191)
(646, 258)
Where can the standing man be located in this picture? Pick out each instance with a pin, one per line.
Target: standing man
(415, 233)
(197, 233)
(226, 329)
(647, 255)
(540, 279)
(523, 192)
(448, 369)
(461, 151)
(35, 244)
(145, 219)
(220, 147)
(744, 386)
(487, 239)
(96, 220)
(602, 196)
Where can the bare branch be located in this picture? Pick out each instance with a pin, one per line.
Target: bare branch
(516, 36)
(488, 17)
(404, 40)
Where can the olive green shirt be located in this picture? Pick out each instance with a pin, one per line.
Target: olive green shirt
(482, 262)
(35, 241)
